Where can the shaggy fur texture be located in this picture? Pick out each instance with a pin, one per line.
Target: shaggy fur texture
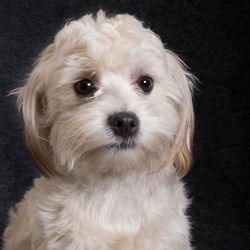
(92, 195)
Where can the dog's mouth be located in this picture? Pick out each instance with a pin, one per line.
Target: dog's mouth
(121, 146)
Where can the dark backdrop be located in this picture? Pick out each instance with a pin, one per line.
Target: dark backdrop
(211, 37)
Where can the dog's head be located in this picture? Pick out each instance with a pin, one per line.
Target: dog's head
(106, 95)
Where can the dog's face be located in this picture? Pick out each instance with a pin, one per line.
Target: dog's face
(105, 96)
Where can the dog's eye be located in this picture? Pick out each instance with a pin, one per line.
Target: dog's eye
(85, 87)
(145, 83)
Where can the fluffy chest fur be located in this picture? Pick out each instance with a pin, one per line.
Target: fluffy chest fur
(71, 215)
(121, 204)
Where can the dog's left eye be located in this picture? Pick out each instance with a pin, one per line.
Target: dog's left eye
(146, 83)
(85, 87)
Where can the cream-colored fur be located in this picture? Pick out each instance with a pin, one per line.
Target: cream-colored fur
(93, 196)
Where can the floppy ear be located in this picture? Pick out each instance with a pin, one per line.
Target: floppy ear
(32, 100)
(181, 153)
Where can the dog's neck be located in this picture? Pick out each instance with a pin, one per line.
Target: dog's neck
(129, 179)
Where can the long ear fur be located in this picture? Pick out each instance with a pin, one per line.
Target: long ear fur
(181, 153)
(33, 102)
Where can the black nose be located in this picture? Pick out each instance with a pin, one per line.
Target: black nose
(124, 124)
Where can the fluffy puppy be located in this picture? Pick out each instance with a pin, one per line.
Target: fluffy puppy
(109, 121)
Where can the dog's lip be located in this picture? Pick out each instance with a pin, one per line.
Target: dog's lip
(121, 146)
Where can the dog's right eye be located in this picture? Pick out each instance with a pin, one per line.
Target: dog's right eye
(85, 87)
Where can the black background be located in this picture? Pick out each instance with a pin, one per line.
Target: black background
(211, 37)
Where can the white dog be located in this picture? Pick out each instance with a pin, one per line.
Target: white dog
(109, 121)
